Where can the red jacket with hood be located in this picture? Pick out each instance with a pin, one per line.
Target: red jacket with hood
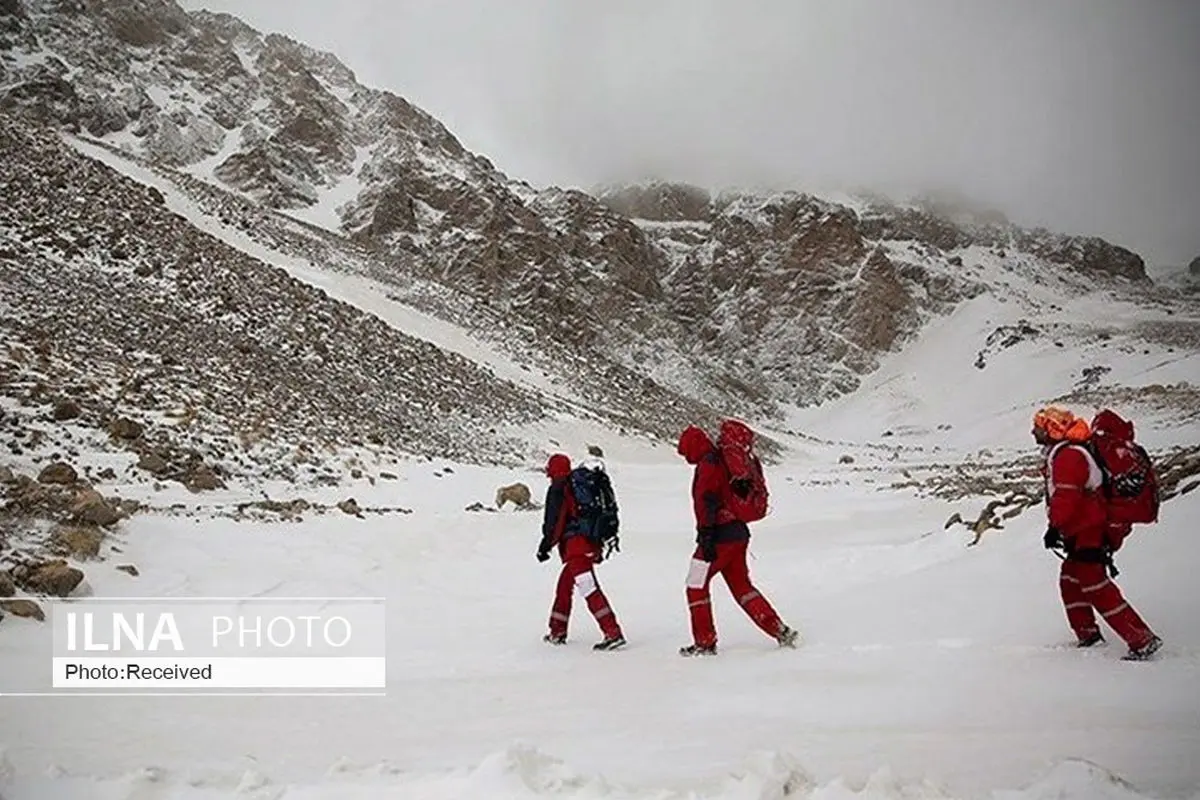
(1075, 505)
(709, 484)
(560, 514)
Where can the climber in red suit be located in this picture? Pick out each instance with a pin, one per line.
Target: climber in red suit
(721, 543)
(1076, 508)
(579, 557)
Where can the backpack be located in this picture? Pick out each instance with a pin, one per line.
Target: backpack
(735, 443)
(596, 505)
(1130, 484)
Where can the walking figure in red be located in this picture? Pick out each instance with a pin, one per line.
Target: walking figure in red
(579, 554)
(721, 542)
(1079, 523)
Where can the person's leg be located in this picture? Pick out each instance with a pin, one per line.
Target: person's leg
(584, 577)
(560, 611)
(736, 572)
(699, 577)
(1105, 596)
(1079, 611)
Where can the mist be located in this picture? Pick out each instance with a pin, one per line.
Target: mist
(1079, 115)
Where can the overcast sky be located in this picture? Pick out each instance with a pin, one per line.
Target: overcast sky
(1083, 115)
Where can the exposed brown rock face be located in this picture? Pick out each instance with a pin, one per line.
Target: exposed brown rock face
(1089, 255)
(950, 228)
(787, 295)
(55, 578)
(57, 472)
(660, 202)
(883, 310)
(657, 304)
(78, 542)
(23, 608)
(196, 312)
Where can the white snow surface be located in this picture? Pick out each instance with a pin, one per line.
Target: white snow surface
(928, 669)
(934, 382)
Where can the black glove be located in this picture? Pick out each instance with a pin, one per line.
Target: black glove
(741, 487)
(708, 548)
(543, 555)
(1052, 539)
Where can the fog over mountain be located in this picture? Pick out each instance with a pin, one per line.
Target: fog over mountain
(1078, 115)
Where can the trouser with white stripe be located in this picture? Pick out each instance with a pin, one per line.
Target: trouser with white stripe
(730, 563)
(578, 575)
(1086, 589)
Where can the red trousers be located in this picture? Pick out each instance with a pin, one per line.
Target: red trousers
(578, 574)
(730, 564)
(1086, 588)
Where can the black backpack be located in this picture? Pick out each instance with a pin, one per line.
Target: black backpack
(596, 505)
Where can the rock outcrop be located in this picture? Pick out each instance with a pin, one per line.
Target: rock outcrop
(655, 304)
(155, 317)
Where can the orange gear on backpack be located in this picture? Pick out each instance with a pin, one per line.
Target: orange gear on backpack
(1060, 424)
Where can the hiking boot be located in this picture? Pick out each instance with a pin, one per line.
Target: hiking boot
(698, 650)
(1145, 651)
(788, 637)
(1090, 641)
(555, 638)
(610, 643)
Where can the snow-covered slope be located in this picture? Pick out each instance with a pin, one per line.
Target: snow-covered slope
(650, 302)
(973, 378)
(238, 288)
(928, 670)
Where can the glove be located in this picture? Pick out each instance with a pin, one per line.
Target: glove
(1052, 539)
(543, 555)
(741, 487)
(708, 548)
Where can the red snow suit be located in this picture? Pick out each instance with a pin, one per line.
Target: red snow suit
(721, 542)
(1074, 500)
(1075, 506)
(709, 484)
(577, 553)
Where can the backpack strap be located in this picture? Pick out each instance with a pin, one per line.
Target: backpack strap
(1095, 479)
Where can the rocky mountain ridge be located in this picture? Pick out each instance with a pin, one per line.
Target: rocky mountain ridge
(119, 305)
(649, 304)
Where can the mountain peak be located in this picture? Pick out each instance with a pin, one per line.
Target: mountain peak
(653, 303)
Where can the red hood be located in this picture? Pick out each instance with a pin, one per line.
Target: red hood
(559, 466)
(1112, 425)
(694, 444)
